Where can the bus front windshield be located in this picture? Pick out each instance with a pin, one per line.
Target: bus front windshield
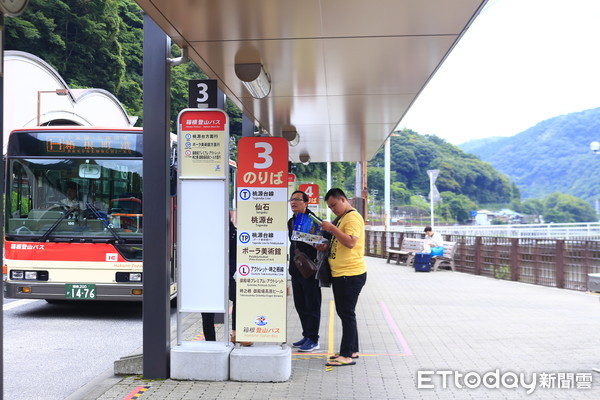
(51, 199)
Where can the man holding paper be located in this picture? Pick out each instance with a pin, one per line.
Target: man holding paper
(303, 232)
(348, 270)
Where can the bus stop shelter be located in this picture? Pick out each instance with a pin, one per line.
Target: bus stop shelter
(341, 74)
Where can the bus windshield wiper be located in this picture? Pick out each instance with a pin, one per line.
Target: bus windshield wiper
(94, 210)
(56, 223)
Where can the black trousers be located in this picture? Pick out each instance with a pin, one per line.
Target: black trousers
(307, 300)
(346, 290)
(208, 326)
(232, 295)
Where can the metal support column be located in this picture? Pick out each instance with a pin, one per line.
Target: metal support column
(328, 187)
(220, 318)
(247, 126)
(156, 312)
(361, 193)
(2, 186)
(387, 184)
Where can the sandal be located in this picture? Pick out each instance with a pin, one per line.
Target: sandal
(339, 363)
(336, 355)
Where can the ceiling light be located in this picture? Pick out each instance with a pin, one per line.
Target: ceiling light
(254, 77)
(304, 159)
(291, 136)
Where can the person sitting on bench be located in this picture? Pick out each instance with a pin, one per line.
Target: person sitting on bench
(433, 239)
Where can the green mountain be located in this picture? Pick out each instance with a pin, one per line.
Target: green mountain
(475, 144)
(552, 156)
(412, 155)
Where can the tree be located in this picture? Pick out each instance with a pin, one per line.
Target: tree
(400, 193)
(455, 206)
(79, 38)
(99, 44)
(90, 43)
(419, 202)
(376, 179)
(560, 207)
(532, 207)
(131, 37)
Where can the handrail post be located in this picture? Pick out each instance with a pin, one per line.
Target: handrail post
(536, 262)
(515, 251)
(478, 257)
(496, 255)
(386, 243)
(560, 264)
(587, 261)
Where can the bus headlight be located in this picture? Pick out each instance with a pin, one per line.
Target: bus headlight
(135, 276)
(30, 275)
(128, 277)
(18, 275)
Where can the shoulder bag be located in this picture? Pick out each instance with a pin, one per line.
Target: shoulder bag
(324, 272)
(305, 265)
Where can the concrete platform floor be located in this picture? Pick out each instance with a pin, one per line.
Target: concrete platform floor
(420, 334)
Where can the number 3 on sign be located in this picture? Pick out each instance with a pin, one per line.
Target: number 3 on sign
(264, 155)
(202, 92)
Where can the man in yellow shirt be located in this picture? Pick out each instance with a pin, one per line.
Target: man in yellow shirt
(348, 270)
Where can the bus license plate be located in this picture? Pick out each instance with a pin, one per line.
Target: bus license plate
(80, 291)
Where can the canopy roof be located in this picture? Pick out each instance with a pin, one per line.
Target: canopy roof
(343, 72)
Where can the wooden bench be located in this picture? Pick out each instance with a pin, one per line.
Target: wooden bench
(447, 260)
(407, 250)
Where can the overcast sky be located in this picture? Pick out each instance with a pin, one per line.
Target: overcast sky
(520, 62)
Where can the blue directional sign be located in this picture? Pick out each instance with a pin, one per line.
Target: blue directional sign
(244, 237)
(245, 194)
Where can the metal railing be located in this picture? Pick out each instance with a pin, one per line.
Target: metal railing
(555, 262)
(582, 231)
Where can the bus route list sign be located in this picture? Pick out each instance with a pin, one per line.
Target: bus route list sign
(262, 193)
(201, 143)
(202, 210)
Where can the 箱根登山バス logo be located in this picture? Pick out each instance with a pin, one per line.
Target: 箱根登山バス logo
(261, 320)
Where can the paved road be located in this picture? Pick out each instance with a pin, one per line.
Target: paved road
(51, 350)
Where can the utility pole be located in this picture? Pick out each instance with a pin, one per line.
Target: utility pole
(433, 193)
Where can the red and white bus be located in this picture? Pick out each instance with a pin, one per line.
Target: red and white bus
(74, 220)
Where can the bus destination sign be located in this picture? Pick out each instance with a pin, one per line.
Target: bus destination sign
(76, 144)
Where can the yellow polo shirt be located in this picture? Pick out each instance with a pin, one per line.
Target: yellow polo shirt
(345, 261)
